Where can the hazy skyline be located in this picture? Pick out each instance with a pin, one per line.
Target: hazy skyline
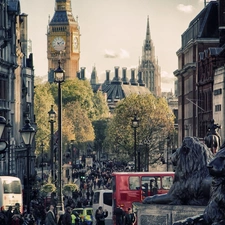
(113, 31)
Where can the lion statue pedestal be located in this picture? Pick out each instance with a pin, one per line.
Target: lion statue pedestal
(214, 213)
(190, 191)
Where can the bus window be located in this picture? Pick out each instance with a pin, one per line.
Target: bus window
(107, 199)
(167, 182)
(96, 198)
(12, 187)
(152, 181)
(134, 183)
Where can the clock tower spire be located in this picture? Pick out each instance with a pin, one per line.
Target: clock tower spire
(63, 36)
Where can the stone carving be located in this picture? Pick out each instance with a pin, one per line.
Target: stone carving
(214, 213)
(192, 182)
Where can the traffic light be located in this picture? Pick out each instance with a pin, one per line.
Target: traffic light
(144, 189)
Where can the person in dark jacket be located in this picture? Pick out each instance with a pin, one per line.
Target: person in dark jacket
(130, 217)
(50, 217)
(100, 216)
(119, 214)
(67, 220)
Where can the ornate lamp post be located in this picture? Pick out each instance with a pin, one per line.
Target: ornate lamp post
(3, 144)
(73, 155)
(9, 126)
(2, 124)
(28, 133)
(52, 119)
(135, 125)
(167, 153)
(59, 77)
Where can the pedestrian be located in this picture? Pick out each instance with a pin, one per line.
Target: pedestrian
(17, 209)
(130, 217)
(100, 216)
(119, 214)
(67, 220)
(3, 218)
(50, 216)
(17, 216)
(9, 214)
(60, 218)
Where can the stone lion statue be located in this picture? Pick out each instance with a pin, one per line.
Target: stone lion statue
(214, 213)
(191, 185)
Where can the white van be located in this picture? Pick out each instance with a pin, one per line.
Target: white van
(103, 198)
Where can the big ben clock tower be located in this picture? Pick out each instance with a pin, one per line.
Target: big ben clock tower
(63, 41)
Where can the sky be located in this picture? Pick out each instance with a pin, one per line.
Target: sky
(113, 32)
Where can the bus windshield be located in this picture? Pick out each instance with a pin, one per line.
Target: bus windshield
(11, 187)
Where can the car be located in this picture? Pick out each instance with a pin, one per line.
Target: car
(85, 215)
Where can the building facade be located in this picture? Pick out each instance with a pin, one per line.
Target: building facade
(202, 34)
(16, 86)
(63, 41)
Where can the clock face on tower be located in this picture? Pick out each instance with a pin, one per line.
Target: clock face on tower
(58, 43)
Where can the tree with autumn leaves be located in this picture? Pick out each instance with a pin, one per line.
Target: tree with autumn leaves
(156, 123)
(80, 107)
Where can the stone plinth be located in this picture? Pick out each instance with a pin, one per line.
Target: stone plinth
(149, 214)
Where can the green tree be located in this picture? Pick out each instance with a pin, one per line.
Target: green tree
(100, 127)
(100, 107)
(76, 91)
(155, 124)
(76, 124)
(43, 100)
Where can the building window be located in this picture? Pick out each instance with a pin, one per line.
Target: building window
(218, 91)
(217, 108)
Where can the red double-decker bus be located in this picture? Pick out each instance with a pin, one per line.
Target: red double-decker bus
(129, 187)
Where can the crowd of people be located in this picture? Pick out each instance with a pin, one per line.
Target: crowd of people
(43, 211)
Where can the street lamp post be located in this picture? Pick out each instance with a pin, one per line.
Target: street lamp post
(3, 144)
(9, 126)
(52, 119)
(72, 155)
(42, 163)
(28, 133)
(135, 125)
(59, 77)
(167, 153)
(2, 124)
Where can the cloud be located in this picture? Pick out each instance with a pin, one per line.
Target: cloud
(167, 78)
(122, 54)
(185, 8)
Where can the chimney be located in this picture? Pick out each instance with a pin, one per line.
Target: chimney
(116, 72)
(83, 73)
(140, 79)
(116, 79)
(107, 81)
(124, 76)
(133, 81)
(78, 75)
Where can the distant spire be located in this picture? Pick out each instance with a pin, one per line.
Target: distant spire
(147, 45)
(148, 37)
(94, 77)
